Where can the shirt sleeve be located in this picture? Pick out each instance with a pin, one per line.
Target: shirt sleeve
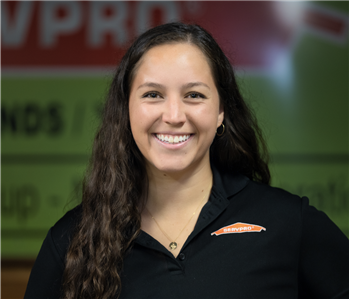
(45, 279)
(324, 257)
(46, 275)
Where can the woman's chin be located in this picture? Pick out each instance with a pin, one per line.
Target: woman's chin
(175, 167)
(170, 169)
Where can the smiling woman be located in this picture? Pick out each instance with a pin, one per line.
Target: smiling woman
(173, 209)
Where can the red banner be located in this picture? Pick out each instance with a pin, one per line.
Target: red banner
(96, 33)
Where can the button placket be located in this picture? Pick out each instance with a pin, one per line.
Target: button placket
(181, 256)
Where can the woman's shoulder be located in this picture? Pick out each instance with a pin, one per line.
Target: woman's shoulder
(62, 231)
(268, 203)
(275, 195)
(231, 183)
(255, 193)
(290, 212)
(68, 221)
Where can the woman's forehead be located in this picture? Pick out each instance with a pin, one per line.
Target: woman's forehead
(170, 61)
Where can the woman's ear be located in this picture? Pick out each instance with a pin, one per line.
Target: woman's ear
(220, 117)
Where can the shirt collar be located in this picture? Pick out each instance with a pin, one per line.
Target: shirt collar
(228, 183)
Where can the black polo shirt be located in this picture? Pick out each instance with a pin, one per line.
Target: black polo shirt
(251, 241)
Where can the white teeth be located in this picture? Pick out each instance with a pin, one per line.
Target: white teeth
(172, 139)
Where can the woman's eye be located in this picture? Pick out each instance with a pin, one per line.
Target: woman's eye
(195, 95)
(152, 95)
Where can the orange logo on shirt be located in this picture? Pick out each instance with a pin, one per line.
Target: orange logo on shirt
(238, 227)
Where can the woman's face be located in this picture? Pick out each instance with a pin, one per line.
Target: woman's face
(174, 108)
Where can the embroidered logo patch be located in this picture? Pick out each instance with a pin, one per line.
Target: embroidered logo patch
(238, 227)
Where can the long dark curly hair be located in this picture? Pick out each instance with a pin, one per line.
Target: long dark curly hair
(116, 185)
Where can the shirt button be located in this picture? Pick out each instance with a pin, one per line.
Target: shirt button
(181, 256)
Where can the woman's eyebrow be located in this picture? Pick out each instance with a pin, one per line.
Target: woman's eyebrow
(194, 84)
(160, 86)
(151, 84)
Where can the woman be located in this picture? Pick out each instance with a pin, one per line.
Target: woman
(176, 203)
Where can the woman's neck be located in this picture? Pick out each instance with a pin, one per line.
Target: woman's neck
(180, 191)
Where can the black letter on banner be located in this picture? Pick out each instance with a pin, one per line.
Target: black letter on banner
(32, 119)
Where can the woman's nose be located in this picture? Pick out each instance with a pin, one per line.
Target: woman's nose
(174, 111)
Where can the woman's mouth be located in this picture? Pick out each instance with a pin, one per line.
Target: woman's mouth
(172, 139)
